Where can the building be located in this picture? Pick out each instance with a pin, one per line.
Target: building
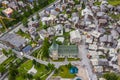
(2, 57)
(96, 34)
(8, 12)
(75, 36)
(62, 51)
(14, 41)
(5, 4)
(119, 61)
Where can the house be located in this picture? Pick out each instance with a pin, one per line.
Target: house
(5, 4)
(2, 57)
(51, 31)
(100, 14)
(62, 51)
(43, 34)
(102, 21)
(98, 69)
(67, 27)
(32, 71)
(8, 12)
(31, 30)
(96, 34)
(27, 49)
(94, 61)
(14, 41)
(33, 23)
(115, 34)
(92, 26)
(61, 39)
(119, 61)
(87, 11)
(75, 20)
(13, 5)
(93, 47)
(75, 36)
(118, 29)
(89, 39)
(58, 30)
(103, 62)
(54, 13)
(20, 3)
(79, 7)
(93, 54)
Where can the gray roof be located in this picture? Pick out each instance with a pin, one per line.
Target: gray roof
(65, 49)
(13, 39)
(103, 62)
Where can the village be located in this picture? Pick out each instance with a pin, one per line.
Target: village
(66, 40)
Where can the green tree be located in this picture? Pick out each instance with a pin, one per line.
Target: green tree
(51, 66)
(44, 50)
(111, 76)
(25, 21)
(2, 69)
(69, 65)
(5, 52)
(12, 72)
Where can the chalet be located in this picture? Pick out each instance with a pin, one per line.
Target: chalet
(8, 12)
(5, 3)
(43, 34)
(75, 36)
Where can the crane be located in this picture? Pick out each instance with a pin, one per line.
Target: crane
(4, 18)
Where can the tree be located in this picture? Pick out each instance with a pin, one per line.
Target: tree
(44, 50)
(12, 72)
(34, 62)
(111, 76)
(69, 65)
(38, 17)
(29, 76)
(5, 52)
(37, 78)
(56, 71)
(51, 66)
(25, 21)
(2, 69)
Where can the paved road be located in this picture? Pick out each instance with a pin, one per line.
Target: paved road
(86, 62)
(20, 23)
(48, 78)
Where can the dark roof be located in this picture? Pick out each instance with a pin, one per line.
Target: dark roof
(27, 49)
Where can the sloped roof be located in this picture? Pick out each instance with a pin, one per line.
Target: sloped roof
(65, 49)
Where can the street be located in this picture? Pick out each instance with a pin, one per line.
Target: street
(86, 62)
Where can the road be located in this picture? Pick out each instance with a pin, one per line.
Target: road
(20, 23)
(48, 78)
(85, 61)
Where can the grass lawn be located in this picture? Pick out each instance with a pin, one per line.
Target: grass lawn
(114, 2)
(23, 34)
(115, 16)
(63, 71)
(26, 66)
(59, 60)
(97, 3)
(73, 59)
(7, 61)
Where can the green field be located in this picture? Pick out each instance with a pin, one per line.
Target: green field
(114, 2)
(7, 61)
(26, 66)
(63, 71)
